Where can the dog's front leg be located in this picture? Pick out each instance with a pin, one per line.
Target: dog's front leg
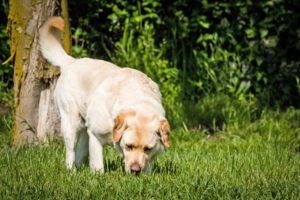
(96, 154)
(148, 168)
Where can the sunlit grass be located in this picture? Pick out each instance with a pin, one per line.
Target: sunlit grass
(258, 160)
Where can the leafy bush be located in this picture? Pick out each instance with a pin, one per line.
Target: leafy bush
(243, 49)
(250, 40)
(216, 112)
(238, 48)
(140, 52)
(136, 47)
(6, 70)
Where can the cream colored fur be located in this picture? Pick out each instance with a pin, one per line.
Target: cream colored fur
(92, 94)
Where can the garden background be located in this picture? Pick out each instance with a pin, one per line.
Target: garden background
(229, 73)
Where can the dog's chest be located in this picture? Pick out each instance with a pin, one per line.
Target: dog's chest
(105, 139)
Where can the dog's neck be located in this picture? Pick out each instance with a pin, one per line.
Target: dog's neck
(142, 107)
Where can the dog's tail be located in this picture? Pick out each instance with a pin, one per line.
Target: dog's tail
(50, 44)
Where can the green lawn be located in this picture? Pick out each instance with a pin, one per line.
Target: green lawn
(256, 160)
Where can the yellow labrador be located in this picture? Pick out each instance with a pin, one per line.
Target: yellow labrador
(101, 103)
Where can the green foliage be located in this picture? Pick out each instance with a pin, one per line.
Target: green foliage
(238, 48)
(259, 161)
(137, 49)
(232, 79)
(217, 112)
(6, 70)
(244, 49)
(218, 64)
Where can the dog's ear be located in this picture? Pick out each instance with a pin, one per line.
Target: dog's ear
(119, 127)
(164, 132)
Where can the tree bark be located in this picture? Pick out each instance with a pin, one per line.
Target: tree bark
(36, 116)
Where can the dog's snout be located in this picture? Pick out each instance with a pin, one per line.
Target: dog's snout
(136, 168)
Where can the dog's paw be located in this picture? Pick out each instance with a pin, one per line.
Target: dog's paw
(98, 171)
(72, 169)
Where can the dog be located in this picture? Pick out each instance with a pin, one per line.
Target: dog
(100, 103)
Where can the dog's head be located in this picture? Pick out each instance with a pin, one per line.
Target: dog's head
(140, 138)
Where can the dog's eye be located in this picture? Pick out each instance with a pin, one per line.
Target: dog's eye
(129, 146)
(147, 149)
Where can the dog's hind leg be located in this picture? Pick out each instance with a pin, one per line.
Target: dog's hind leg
(82, 148)
(70, 125)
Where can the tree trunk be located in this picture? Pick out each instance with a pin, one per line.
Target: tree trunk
(36, 116)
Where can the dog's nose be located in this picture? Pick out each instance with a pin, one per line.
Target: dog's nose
(136, 168)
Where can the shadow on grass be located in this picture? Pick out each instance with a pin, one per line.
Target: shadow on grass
(113, 165)
(168, 167)
(215, 112)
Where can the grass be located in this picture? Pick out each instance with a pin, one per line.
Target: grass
(259, 159)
